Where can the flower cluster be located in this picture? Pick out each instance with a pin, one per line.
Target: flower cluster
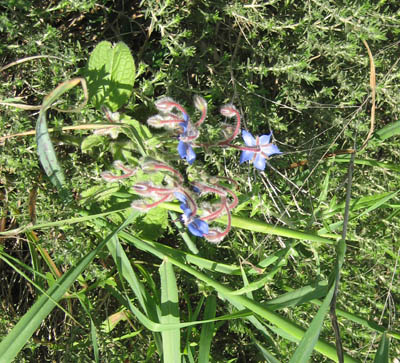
(173, 188)
(188, 132)
(197, 214)
(227, 201)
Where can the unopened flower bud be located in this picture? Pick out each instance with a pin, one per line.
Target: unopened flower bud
(165, 104)
(229, 110)
(200, 103)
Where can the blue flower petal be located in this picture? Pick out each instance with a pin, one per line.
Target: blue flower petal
(182, 148)
(184, 205)
(185, 117)
(190, 154)
(196, 189)
(180, 196)
(248, 138)
(198, 227)
(271, 150)
(259, 163)
(265, 139)
(246, 156)
(184, 126)
(186, 151)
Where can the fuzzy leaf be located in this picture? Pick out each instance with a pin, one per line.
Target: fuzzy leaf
(111, 75)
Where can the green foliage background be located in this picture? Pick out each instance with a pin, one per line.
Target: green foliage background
(297, 68)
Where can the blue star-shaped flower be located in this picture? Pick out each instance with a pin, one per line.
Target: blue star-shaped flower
(196, 226)
(265, 149)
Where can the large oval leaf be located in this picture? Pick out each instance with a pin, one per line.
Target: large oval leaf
(110, 75)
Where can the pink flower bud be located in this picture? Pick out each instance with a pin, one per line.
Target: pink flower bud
(229, 110)
(200, 103)
(165, 104)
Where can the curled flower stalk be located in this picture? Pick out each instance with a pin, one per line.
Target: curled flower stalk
(201, 104)
(112, 117)
(230, 111)
(188, 132)
(216, 210)
(126, 170)
(153, 166)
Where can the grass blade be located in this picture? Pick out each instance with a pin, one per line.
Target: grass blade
(269, 358)
(389, 130)
(207, 329)
(169, 313)
(125, 269)
(23, 330)
(299, 296)
(310, 338)
(287, 326)
(382, 355)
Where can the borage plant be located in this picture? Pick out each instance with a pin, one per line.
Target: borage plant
(158, 177)
(196, 214)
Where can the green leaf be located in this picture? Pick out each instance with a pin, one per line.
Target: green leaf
(390, 130)
(382, 355)
(23, 330)
(207, 330)
(110, 75)
(310, 338)
(299, 296)
(91, 141)
(47, 155)
(154, 223)
(169, 313)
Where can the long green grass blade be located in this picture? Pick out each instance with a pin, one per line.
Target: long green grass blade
(369, 162)
(388, 131)
(310, 338)
(299, 296)
(23, 330)
(85, 302)
(125, 269)
(382, 355)
(282, 323)
(313, 296)
(169, 313)
(263, 227)
(240, 222)
(207, 330)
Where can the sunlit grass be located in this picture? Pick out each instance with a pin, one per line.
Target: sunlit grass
(81, 276)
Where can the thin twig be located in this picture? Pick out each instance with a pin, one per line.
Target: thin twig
(78, 127)
(326, 156)
(372, 84)
(19, 61)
